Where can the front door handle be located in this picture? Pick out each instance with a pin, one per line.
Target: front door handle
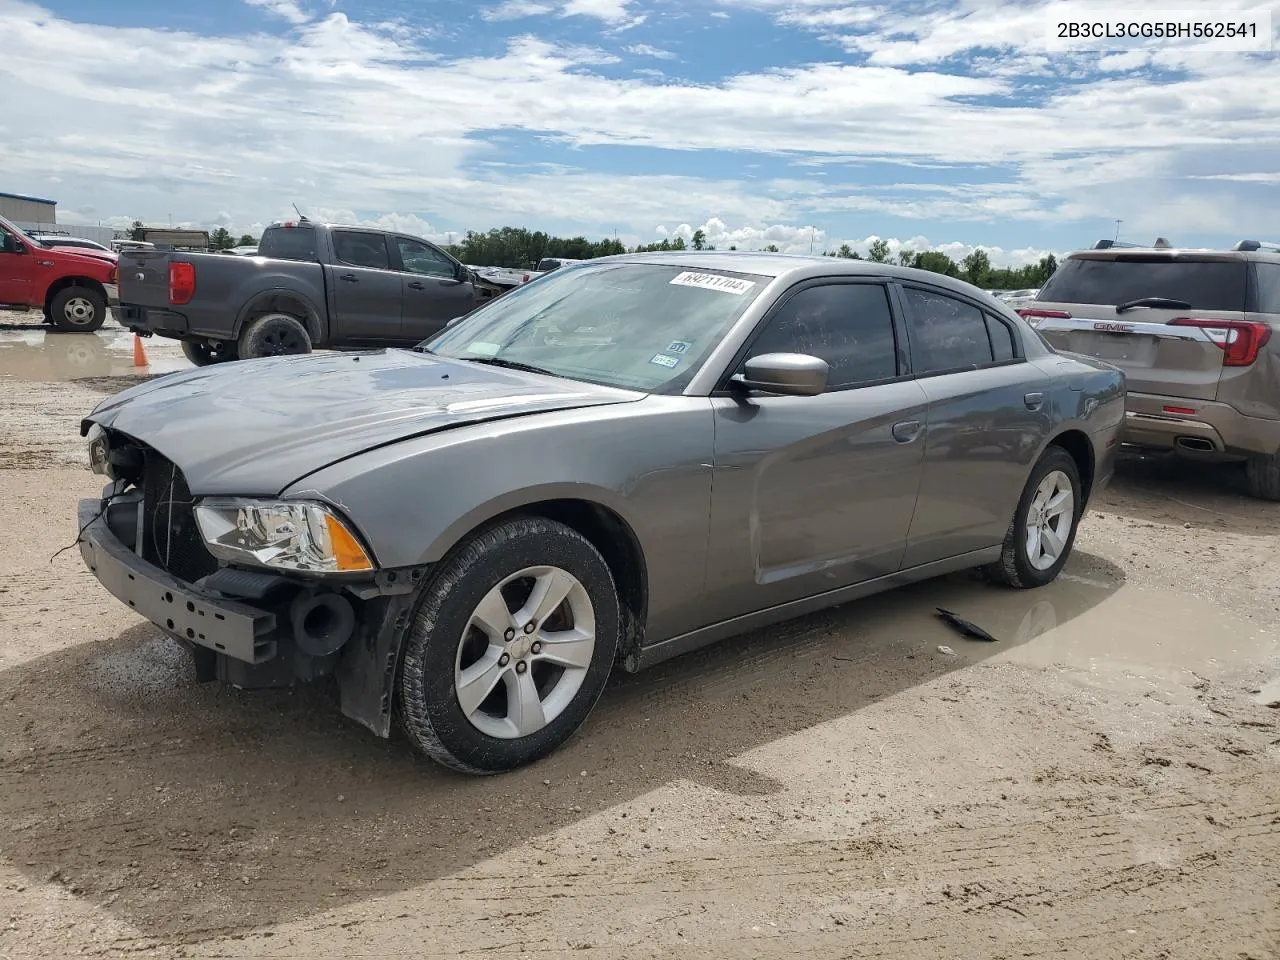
(907, 430)
(350, 278)
(1034, 401)
(417, 285)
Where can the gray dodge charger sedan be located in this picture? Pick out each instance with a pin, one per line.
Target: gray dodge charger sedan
(629, 459)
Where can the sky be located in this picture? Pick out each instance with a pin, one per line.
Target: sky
(934, 124)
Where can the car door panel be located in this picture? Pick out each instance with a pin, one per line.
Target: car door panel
(17, 270)
(811, 493)
(985, 427)
(366, 293)
(815, 493)
(433, 294)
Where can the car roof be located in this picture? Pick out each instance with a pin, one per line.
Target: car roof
(1195, 254)
(793, 266)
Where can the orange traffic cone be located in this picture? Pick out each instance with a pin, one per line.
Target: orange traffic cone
(139, 355)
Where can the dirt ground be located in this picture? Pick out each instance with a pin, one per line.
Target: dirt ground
(1102, 782)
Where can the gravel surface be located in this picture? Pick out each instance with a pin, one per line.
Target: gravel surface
(1102, 782)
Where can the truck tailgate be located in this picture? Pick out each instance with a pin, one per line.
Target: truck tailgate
(144, 278)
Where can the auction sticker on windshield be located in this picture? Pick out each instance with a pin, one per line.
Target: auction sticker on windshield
(713, 281)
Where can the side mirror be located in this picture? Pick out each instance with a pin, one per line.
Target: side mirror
(11, 244)
(788, 374)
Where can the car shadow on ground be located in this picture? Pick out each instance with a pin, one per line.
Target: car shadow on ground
(1170, 489)
(197, 811)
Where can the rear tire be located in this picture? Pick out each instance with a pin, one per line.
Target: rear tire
(78, 310)
(484, 688)
(274, 335)
(1030, 556)
(1262, 475)
(202, 355)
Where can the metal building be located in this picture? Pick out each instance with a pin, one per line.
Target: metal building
(28, 210)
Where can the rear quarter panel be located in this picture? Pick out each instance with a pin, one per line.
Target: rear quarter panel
(649, 462)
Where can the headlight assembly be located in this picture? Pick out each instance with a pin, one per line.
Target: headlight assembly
(298, 536)
(99, 451)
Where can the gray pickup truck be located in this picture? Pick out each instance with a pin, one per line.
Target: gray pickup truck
(311, 285)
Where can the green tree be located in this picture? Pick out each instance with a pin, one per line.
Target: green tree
(678, 244)
(879, 251)
(937, 262)
(846, 252)
(733, 246)
(977, 267)
(137, 231)
(699, 239)
(246, 240)
(906, 258)
(221, 239)
(771, 248)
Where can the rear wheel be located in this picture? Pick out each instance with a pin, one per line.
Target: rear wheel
(1043, 529)
(201, 354)
(511, 647)
(78, 310)
(274, 335)
(1262, 475)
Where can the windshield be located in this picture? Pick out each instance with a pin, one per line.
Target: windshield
(638, 326)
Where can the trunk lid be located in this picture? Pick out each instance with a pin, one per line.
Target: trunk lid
(1159, 348)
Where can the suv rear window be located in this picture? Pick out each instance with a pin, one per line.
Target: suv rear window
(1205, 284)
(289, 243)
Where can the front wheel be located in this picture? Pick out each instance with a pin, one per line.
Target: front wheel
(1043, 529)
(78, 310)
(201, 354)
(510, 648)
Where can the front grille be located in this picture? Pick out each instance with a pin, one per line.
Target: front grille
(170, 537)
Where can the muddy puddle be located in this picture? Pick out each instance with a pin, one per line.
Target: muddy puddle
(38, 355)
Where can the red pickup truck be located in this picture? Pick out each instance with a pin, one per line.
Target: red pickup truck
(72, 289)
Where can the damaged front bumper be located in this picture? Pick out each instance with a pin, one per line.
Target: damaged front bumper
(258, 629)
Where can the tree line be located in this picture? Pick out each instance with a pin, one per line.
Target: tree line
(520, 248)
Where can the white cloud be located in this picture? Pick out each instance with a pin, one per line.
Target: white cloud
(284, 9)
(609, 11)
(645, 50)
(516, 10)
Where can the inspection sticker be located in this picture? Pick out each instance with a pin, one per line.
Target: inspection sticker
(679, 346)
(663, 360)
(713, 281)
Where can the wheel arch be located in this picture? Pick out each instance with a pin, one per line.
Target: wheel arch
(1080, 448)
(281, 300)
(63, 283)
(602, 525)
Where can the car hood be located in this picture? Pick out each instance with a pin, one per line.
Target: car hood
(253, 427)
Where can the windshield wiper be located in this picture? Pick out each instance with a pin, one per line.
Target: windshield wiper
(511, 365)
(1153, 302)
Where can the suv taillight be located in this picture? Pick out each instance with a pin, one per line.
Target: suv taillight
(1240, 340)
(182, 282)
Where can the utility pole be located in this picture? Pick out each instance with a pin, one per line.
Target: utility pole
(811, 232)
(1118, 222)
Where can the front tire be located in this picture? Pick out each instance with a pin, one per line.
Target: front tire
(274, 335)
(511, 647)
(1043, 529)
(78, 310)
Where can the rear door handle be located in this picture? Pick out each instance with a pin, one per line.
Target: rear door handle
(417, 285)
(1034, 401)
(907, 430)
(350, 278)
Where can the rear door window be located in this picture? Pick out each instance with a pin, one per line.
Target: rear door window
(946, 333)
(361, 249)
(1205, 284)
(1268, 276)
(1001, 335)
(289, 243)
